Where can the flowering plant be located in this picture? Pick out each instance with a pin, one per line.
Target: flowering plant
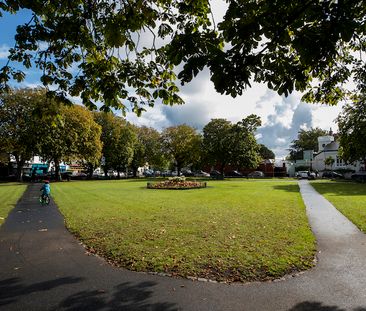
(176, 183)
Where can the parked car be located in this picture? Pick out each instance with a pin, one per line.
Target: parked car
(187, 173)
(305, 175)
(201, 173)
(215, 174)
(149, 173)
(234, 174)
(66, 175)
(166, 173)
(332, 174)
(359, 177)
(302, 174)
(256, 174)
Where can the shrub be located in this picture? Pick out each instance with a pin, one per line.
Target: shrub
(177, 183)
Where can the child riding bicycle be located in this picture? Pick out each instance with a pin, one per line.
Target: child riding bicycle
(46, 190)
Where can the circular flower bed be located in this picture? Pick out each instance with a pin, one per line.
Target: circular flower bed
(176, 183)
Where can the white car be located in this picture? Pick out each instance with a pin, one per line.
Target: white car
(302, 174)
(305, 174)
(201, 174)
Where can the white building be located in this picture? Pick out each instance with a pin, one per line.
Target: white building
(328, 147)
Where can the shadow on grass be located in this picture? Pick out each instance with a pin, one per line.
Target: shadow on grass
(288, 188)
(318, 306)
(125, 297)
(11, 289)
(340, 189)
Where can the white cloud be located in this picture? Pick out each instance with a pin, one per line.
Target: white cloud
(30, 85)
(153, 117)
(282, 117)
(4, 51)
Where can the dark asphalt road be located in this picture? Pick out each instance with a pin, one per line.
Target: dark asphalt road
(43, 267)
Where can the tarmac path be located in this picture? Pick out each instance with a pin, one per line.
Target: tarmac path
(43, 267)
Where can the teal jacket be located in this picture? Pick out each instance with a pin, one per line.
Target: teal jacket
(46, 189)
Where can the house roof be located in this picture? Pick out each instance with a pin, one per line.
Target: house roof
(331, 147)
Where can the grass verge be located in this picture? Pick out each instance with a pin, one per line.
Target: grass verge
(348, 197)
(9, 194)
(229, 231)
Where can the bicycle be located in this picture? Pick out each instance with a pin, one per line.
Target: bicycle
(44, 199)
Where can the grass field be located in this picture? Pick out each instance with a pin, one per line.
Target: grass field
(232, 230)
(348, 197)
(9, 194)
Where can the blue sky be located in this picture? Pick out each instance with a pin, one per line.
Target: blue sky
(8, 24)
(281, 117)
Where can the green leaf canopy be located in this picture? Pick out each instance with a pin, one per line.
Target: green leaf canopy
(123, 53)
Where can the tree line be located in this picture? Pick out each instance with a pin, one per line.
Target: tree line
(32, 124)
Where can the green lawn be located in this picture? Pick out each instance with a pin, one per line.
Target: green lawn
(348, 197)
(232, 230)
(9, 194)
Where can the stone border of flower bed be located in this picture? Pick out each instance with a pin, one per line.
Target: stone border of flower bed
(177, 183)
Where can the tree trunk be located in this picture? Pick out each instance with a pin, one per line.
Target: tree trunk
(20, 164)
(178, 169)
(57, 170)
(20, 171)
(222, 170)
(134, 171)
(90, 170)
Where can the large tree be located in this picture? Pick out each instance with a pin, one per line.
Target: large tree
(123, 149)
(118, 138)
(265, 152)
(109, 124)
(147, 148)
(182, 144)
(304, 45)
(70, 135)
(352, 132)
(225, 143)
(18, 123)
(84, 141)
(306, 140)
(313, 46)
(216, 142)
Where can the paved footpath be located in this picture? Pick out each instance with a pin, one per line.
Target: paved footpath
(42, 267)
